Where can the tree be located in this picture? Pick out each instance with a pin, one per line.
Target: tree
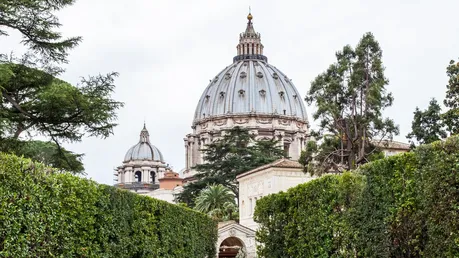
(451, 117)
(34, 101)
(427, 126)
(433, 125)
(235, 153)
(46, 153)
(35, 20)
(350, 97)
(217, 201)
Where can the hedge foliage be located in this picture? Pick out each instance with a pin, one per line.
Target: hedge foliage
(402, 206)
(47, 214)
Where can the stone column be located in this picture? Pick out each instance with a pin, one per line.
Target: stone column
(295, 149)
(280, 138)
(145, 174)
(128, 175)
(190, 152)
(186, 155)
(203, 143)
(118, 175)
(201, 154)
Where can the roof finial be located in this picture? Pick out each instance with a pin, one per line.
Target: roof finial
(250, 17)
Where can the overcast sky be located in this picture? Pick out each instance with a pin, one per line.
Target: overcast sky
(166, 52)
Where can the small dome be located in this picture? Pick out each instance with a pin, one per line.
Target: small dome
(144, 150)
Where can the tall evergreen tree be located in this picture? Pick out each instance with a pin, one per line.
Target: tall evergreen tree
(433, 125)
(350, 97)
(235, 153)
(427, 125)
(451, 117)
(33, 101)
(36, 21)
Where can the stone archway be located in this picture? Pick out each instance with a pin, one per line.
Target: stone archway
(230, 247)
(232, 237)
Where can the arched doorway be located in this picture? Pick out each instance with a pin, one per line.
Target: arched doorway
(230, 247)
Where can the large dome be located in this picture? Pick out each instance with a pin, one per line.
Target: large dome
(252, 94)
(250, 86)
(144, 150)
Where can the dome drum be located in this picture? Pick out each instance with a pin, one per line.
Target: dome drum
(260, 118)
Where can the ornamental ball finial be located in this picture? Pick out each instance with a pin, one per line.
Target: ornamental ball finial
(249, 17)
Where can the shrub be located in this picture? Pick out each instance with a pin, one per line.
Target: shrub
(49, 214)
(402, 206)
(310, 220)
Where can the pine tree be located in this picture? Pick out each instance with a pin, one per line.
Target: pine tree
(433, 125)
(36, 21)
(451, 117)
(235, 153)
(427, 126)
(33, 101)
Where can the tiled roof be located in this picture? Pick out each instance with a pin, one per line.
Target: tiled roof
(280, 163)
(386, 144)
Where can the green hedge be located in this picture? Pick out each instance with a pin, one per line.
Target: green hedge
(402, 206)
(47, 214)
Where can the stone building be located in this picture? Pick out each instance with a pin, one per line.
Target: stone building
(253, 94)
(272, 178)
(390, 148)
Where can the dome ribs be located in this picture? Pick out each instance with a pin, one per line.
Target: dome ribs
(265, 103)
(265, 91)
(144, 150)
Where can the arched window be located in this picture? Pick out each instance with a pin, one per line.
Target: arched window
(286, 149)
(138, 176)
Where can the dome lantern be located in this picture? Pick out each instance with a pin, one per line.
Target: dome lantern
(250, 46)
(144, 135)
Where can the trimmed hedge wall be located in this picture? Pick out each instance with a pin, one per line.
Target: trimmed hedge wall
(47, 214)
(402, 206)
